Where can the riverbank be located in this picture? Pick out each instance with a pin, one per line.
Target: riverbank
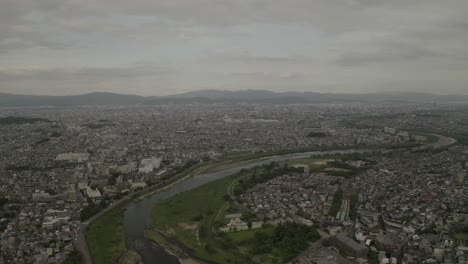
(104, 233)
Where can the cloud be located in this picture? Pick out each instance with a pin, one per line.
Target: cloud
(303, 44)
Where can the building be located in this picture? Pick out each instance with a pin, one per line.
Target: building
(385, 243)
(93, 194)
(348, 246)
(40, 196)
(322, 255)
(79, 157)
(148, 165)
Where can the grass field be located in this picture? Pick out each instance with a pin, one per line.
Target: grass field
(106, 238)
(241, 236)
(192, 212)
(425, 138)
(105, 235)
(73, 258)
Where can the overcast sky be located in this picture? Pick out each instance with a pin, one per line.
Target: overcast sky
(159, 47)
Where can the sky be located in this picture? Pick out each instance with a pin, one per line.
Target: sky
(161, 47)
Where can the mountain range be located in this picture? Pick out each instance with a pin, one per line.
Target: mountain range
(216, 96)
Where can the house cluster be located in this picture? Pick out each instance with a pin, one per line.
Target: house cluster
(413, 204)
(298, 197)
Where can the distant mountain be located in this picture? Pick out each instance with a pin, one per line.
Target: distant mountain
(219, 96)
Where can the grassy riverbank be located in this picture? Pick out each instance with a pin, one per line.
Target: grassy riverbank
(188, 217)
(105, 236)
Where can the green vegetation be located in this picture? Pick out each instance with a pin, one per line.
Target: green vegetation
(424, 138)
(105, 236)
(339, 168)
(461, 234)
(333, 164)
(190, 213)
(73, 258)
(287, 241)
(246, 235)
(92, 209)
(303, 214)
(192, 218)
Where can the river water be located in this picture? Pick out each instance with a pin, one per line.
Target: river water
(137, 215)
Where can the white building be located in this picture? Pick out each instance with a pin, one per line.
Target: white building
(148, 165)
(40, 196)
(93, 194)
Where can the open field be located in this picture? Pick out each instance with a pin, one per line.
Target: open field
(425, 138)
(189, 213)
(105, 236)
(241, 236)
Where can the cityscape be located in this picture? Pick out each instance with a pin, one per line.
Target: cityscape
(233, 132)
(375, 187)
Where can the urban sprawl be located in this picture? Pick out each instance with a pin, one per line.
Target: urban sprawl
(404, 201)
